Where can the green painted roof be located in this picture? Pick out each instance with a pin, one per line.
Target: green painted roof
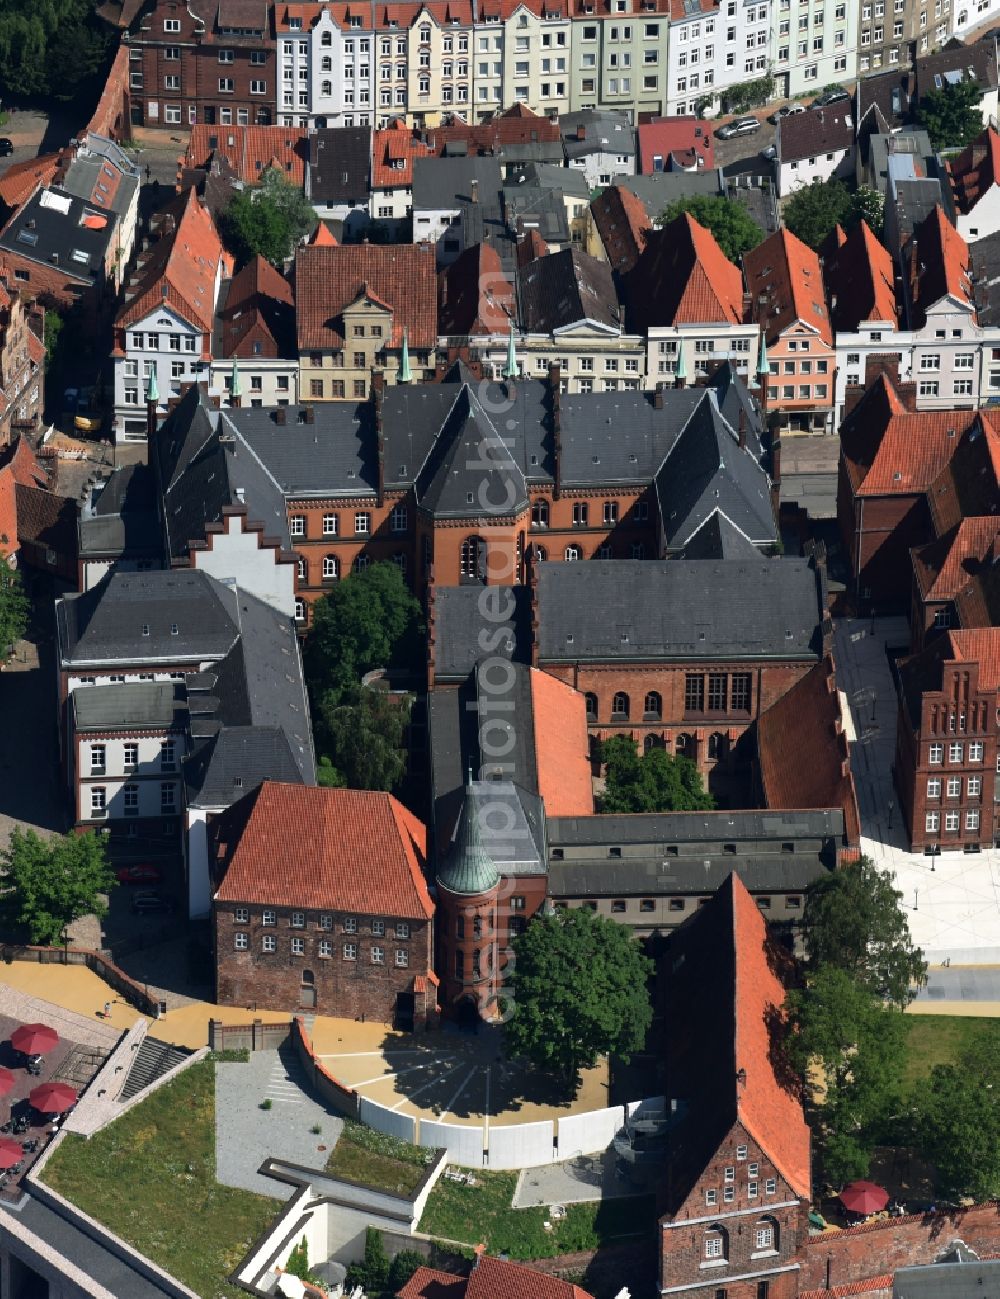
(468, 869)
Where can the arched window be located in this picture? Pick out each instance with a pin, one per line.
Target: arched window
(361, 562)
(400, 561)
(580, 513)
(685, 746)
(619, 705)
(471, 557)
(652, 742)
(716, 745)
(653, 706)
(591, 702)
(331, 568)
(716, 1243)
(539, 514)
(327, 64)
(765, 1236)
(326, 88)
(303, 571)
(572, 553)
(308, 979)
(541, 553)
(327, 38)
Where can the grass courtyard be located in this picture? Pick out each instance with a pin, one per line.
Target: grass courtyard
(942, 1039)
(150, 1178)
(364, 1155)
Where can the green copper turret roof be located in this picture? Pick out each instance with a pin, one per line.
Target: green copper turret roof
(468, 868)
(681, 371)
(763, 366)
(510, 369)
(152, 391)
(235, 386)
(405, 374)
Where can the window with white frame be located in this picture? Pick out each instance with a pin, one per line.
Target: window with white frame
(378, 955)
(298, 946)
(350, 951)
(269, 943)
(269, 917)
(976, 751)
(951, 820)
(241, 942)
(972, 819)
(955, 751)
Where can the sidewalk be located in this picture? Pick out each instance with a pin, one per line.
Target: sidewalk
(953, 901)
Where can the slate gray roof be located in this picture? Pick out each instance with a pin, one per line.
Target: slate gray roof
(707, 471)
(152, 704)
(444, 184)
(620, 437)
(970, 1279)
(678, 610)
(659, 190)
(568, 181)
(695, 828)
(335, 454)
(458, 622)
(735, 399)
(531, 207)
(40, 231)
(105, 624)
(653, 876)
(606, 132)
(818, 130)
(985, 257)
(224, 767)
(565, 289)
(470, 466)
(119, 518)
(718, 538)
(340, 164)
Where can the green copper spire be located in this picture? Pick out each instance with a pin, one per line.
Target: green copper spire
(235, 387)
(681, 371)
(152, 391)
(510, 369)
(405, 374)
(468, 869)
(763, 367)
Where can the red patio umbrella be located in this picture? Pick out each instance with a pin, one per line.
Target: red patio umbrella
(34, 1039)
(6, 1081)
(10, 1152)
(52, 1097)
(863, 1197)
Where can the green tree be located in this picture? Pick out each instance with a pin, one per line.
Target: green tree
(578, 991)
(52, 882)
(813, 211)
(298, 1260)
(951, 116)
(853, 920)
(268, 219)
(869, 205)
(372, 1273)
(958, 1124)
(53, 328)
(850, 1049)
(734, 230)
(403, 1267)
(369, 620)
(15, 608)
(366, 733)
(656, 782)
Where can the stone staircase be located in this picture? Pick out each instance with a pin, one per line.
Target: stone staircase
(152, 1060)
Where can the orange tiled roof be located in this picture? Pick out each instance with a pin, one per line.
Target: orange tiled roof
(890, 451)
(938, 263)
(517, 125)
(429, 1283)
(976, 169)
(978, 645)
(944, 567)
(689, 138)
(356, 850)
(402, 276)
(872, 1285)
(684, 278)
(860, 279)
(250, 150)
(180, 269)
(475, 297)
(490, 1278)
(623, 224)
(322, 237)
(21, 179)
(786, 285)
(969, 484)
(25, 465)
(396, 144)
(561, 746)
(8, 513)
(802, 750)
(259, 310)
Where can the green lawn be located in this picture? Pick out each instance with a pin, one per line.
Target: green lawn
(364, 1155)
(150, 1178)
(940, 1039)
(483, 1213)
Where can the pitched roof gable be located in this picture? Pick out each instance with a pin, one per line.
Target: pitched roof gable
(623, 224)
(785, 283)
(259, 301)
(937, 264)
(251, 150)
(969, 484)
(470, 470)
(860, 279)
(360, 850)
(683, 278)
(559, 719)
(475, 297)
(976, 169)
(401, 276)
(567, 288)
(945, 567)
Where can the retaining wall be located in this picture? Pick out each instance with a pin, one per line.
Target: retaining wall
(132, 992)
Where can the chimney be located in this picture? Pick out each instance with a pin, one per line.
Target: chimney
(309, 414)
(658, 397)
(280, 416)
(474, 190)
(555, 394)
(581, 131)
(378, 393)
(743, 428)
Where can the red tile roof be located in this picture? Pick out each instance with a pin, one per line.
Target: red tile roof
(688, 138)
(683, 278)
(402, 276)
(429, 1283)
(491, 1278)
(474, 295)
(393, 151)
(8, 513)
(21, 179)
(322, 236)
(180, 269)
(976, 169)
(25, 465)
(517, 125)
(860, 279)
(978, 645)
(969, 484)
(937, 264)
(785, 283)
(803, 753)
(559, 715)
(258, 318)
(890, 451)
(623, 224)
(250, 150)
(872, 1285)
(944, 567)
(356, 850)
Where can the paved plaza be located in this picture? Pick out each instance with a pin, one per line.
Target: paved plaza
(952, 901)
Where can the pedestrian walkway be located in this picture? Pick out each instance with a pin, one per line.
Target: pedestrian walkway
(952, 901)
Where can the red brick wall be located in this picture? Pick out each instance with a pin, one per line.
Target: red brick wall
(111, 116)
(457, 917)
(878, 534)
(344, 988)
(683, 1258)
(51, 285)
(884, 1246)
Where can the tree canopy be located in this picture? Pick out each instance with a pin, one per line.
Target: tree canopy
(52, 882)
(734, 229)
(853, 920)
(14, 606)
(365, 733)
(656, 782)
(812, 211)
(958, 1123)
(268, 219)
(55, 49)
(849, 1048)
(579, 991)
(951, 116)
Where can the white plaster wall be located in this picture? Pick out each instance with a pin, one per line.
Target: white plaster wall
(586, 1134)
(524, 1145)
(235, 555)
(463, 1144)
(385, 1120)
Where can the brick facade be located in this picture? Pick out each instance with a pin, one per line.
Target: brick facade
(468, 952)
(328, 979)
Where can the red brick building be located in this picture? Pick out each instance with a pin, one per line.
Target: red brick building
(344, 926)
(209, 61)
(956, 580)
(489, 1278)
(947, 741)
(737, 1188)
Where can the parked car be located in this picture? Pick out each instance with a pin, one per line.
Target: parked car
(738, 126)
(143, 903)
(6, 147)
(140, 874)
(786, 110)
(829, 97)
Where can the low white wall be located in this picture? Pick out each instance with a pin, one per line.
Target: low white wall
(524, 1145)
(389, 1121)
(464, 1145)
(587, 1134)
(654, 1107)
